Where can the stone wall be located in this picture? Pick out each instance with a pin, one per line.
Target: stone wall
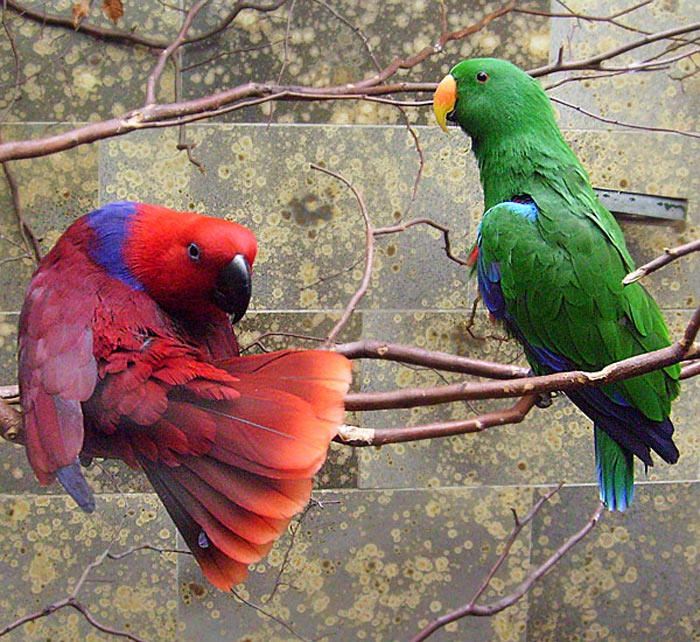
(403, 533)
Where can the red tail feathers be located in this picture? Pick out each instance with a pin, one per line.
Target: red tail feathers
(251, 471)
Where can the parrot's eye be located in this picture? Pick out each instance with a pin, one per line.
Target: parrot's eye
(482, 77)
(193, 251)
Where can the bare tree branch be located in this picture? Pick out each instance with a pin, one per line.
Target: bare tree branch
(474, 609)
(169, 51)
(619, 123)
(669, 255)
(245, 95)
(130, 37)
(402, 227)
(11, 423)
(612, 19)
(371, 349)
(65, 22)
(369, 257)
(72, 601)
(595, 63)
(359, 437)
(248, 94)
(30, 241)
(563, 381)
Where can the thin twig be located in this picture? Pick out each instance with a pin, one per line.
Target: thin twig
(30, 241)
(369, 257)
(99, 626)
(146, 547)
(72, 601)
(267, 614)
(285, 42)
(258, 342)
(182, 144)
(285, 56)
(379, 231)
(169, 50)
(421, 159)
(293, 532)
(613, 19)
(669, 255)
(232, 52)
(329, 277)
(518, 525)
(235, 11)
(595, 62)
(397, 103)
(619, 123)
(473, 609)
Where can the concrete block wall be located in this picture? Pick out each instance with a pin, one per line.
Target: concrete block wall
(402, 533)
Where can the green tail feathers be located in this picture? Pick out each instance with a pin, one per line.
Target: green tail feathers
(615, 467)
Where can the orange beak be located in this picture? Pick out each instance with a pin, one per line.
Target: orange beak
(444, 100)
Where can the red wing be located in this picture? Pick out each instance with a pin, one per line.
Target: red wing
(294, 374)
(233, 452)
(57, 369)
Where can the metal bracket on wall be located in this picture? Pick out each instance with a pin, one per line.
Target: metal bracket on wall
(657, 208)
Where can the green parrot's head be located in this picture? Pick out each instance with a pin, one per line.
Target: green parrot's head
(488, 97)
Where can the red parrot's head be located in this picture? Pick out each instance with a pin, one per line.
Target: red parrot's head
(188, 263)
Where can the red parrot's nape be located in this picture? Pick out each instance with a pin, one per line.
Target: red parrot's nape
(126, 351)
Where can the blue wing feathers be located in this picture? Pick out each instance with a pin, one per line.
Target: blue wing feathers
(614, 414)
(490, 286)
(489, 272)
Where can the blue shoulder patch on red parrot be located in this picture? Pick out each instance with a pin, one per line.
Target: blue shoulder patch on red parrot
(111, 227)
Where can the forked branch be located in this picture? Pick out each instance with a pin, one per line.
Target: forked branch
(471, 608)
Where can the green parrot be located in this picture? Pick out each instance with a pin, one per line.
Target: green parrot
(550, 260)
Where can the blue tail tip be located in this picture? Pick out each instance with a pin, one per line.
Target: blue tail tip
(616, 499)
(72, 479)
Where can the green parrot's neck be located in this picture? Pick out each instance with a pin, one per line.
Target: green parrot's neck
(512, 164)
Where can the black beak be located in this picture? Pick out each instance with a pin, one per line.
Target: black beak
(233, 287)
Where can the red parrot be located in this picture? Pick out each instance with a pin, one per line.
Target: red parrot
(126, 351)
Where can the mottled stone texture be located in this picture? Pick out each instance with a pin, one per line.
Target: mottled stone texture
(371, 565)
(47, 545)
(632, 579)
(401, 534)
(334, 43)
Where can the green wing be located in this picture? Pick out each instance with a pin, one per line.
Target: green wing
(562, 189)
(561, 282)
